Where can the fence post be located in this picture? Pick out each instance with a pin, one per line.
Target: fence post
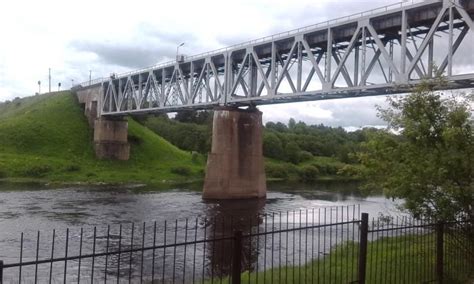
(439, 251)
(1, 271)
(237, 257)
(364, 231)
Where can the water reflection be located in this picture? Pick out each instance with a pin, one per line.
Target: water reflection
(227, 217)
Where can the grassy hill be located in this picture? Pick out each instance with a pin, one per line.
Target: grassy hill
(47, 138)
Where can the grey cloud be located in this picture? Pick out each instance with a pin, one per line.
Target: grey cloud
(147, 47)
(175, 37)
(125, 55)
(355, 112)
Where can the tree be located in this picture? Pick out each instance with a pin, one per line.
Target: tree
(272, 146)
(291, 124)
(429, 163)
(292, 152)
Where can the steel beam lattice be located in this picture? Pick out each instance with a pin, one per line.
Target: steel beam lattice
(386, 51)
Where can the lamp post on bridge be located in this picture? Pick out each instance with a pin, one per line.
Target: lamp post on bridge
(90, 77)
(177, 52)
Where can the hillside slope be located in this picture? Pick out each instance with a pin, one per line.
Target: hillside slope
(47, 137)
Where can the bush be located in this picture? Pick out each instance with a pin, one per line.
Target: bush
(37, 170)
(305, 156)
(182, 171)
(3, 174)
(134, 139)
(308, 173)
(348, 171)
(195, 157)
(276, 171)
(326, 169)
(72, 168)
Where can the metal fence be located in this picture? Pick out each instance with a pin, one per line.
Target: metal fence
(326, 245)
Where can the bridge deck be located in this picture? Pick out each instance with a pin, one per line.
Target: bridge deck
(382, 51)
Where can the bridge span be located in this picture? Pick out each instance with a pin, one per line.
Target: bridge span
(388, 50)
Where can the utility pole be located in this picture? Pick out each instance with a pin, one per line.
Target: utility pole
(49, 76)
(59, 86)
(39, 87)
(90, 77)
(72, 83)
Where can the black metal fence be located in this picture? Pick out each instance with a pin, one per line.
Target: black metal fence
(327, 245)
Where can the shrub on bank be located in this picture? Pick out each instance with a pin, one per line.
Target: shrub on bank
(72, 168)
(276, 171)
(37, 171)
(308, 173)
(181, 170)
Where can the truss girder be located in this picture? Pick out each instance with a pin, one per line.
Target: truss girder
(382, 53)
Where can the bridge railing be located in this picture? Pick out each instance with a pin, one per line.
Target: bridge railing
(271, 37)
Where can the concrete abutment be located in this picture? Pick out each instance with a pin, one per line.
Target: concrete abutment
(111, 139)
(110, 134)
(235, 166)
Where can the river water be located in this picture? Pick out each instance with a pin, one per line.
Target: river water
(33, 208)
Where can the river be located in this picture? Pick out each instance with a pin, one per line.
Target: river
(31, 208)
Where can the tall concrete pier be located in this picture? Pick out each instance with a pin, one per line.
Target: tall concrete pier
(235, 166)
(111, 139)
(110, 134)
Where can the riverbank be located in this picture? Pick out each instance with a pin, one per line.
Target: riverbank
(46, 139)
(403, 259)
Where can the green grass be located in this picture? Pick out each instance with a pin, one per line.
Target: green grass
(47, 138)
(404, 259)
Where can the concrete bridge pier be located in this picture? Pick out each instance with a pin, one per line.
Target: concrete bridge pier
(235, 166)
(110, 133)
(111, 138)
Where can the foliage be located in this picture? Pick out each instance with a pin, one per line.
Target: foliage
(275, 170)
(318, 140)
(37, 170)
(181, 170)
(193, 116)
(430, 164)
(186, 136)
(309, 173)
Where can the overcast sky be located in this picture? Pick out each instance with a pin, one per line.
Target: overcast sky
(73, 37)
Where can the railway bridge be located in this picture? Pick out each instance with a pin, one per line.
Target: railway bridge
(387, 50)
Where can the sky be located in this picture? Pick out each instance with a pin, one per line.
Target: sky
(73, 37)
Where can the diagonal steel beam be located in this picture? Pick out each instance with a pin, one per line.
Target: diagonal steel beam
(262, 84)
(382, 48)
(216, 77)
(184, 98)
(426, 40)
(344, 72)
(314, 62)
(285, 73)
(456, 45)
(260, 70)
(465, 16)
(239, 74)
(365, 76)
(342, 63)
(285, 68)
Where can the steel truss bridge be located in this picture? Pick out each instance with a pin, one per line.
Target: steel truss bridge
(382, 51)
